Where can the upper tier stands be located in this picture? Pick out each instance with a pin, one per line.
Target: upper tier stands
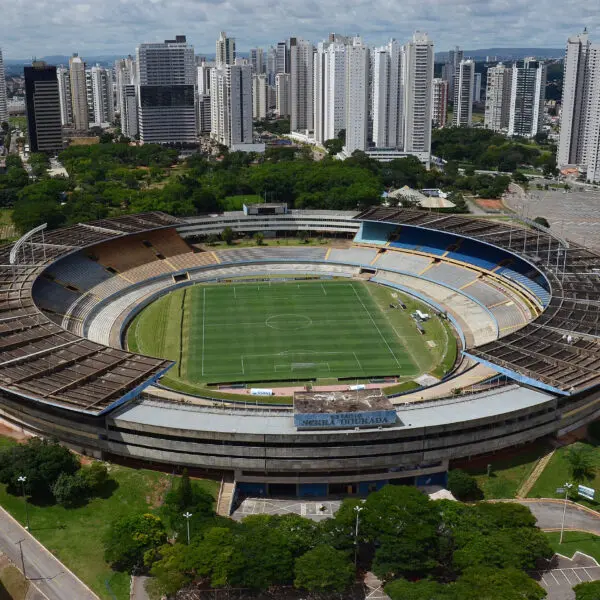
(572, 307)
(41, 360)
(270, 253)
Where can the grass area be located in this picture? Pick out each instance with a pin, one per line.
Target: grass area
(237, 202)
(574, 541)
(75, 535)
(508, 472)
(283, 331)
(557, 473)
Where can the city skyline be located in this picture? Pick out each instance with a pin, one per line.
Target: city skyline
(113, 27)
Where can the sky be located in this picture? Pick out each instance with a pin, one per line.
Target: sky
(109, 27)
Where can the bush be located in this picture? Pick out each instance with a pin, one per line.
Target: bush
(587, 591)
(71, 490)
(463, 486)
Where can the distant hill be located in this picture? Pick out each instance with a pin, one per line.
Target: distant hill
(61, 60)
(506, 53)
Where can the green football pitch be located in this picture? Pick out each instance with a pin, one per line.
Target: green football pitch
(284, 331)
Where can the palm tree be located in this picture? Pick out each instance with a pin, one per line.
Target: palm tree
(581, 463)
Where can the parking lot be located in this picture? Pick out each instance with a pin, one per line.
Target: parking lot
(564, 573)
(315, 510)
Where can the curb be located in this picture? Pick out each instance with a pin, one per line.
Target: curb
(575, 505)
(27, 533)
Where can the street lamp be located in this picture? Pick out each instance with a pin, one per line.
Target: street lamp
(22, 479)
(568, 486)
(187, 516)
(357, 509)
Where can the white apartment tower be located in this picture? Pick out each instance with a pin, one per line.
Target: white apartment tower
(64, 93)
(497, 98)
(440, 102)
(387, 96)
(418, 97)
(357, 96)
(166, 92)
(225, 50)
(125, 74)
(102, 96)
(463, 94)
(79, 95)
(527, 98)
(260, 98)
(231, 105)
(257, 60)
(301, 85)
(203, 74)
(329, 90)
(282, 94)
(3, 100)
(580, 117)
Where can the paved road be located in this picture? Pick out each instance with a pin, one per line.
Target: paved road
(46, 572)
(549, 515)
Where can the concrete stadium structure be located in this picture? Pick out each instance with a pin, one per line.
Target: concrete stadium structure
(525, 306)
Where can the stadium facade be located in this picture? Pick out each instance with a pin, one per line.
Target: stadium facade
(525, 306)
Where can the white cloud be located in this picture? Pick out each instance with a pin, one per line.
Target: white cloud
(44, 27)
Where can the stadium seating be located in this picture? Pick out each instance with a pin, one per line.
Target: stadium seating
(357, 255)
(78, 271)
(451, 275)
(403, 261)
(270, 253)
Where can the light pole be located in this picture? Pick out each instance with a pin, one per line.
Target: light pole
(187, 516)
(568, 486)
(22, 479)
(357, 509)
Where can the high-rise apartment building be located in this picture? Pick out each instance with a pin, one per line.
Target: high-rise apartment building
(231, 105)
(257, 60)
(89, 92)
(102, 96)
(270, 62)
(126, 79)
(42, 103)
(527, 98)
(225, 50)
(440, 102)
(79, 93)
(497, 98)
(3, 100)
(450, 68)
(477, 87)
(418, 97)
(463, 94)
(204, 112)
(387, 110)
(357, 96)
(203, 77)
(166, 94)
(260, 98)
(329, 90)
(282, 58)
(301, 85)
(282, 94)
(64, 92)
(580, 118)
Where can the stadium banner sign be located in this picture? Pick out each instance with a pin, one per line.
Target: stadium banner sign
(345, 420)
(261, 392)
(586, 492)
(360, 386)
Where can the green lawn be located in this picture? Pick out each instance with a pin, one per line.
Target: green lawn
(248, 332)
(573, 541)
(508, 473)
(556, 474)
(75, 535)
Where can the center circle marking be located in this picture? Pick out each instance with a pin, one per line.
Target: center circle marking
(288, 322)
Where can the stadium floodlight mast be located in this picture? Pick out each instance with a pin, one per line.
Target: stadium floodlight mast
(357, 509)
(187, 516)
(22, 479)
(567, 486)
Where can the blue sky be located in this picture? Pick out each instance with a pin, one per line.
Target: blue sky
(43, 27)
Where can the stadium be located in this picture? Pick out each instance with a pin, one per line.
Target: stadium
(409, 340)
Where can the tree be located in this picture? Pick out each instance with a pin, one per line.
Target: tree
(95, 476)
(41, 462)
(463, 486)
(487, 583)
(227, 235)
(259, 238)
(425, 589)
(587, 591)
(129, 538)
(324, 569)
(70, 490)
(172, 566)
(580, 461)
(333, 146)
(542, 221)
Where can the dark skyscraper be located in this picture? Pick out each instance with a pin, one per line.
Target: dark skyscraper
(43, 108)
